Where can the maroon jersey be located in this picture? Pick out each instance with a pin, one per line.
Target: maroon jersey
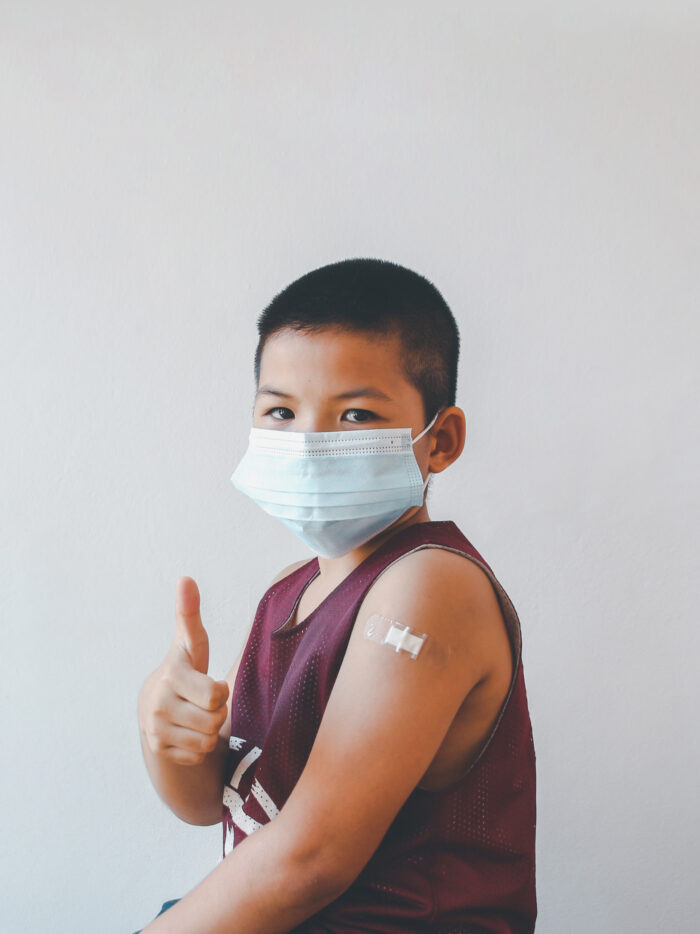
(456, 861)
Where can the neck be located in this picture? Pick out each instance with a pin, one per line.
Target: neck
(333, 570)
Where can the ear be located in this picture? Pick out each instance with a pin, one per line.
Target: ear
(447, 437)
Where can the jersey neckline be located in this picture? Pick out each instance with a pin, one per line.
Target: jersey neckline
(282, 632)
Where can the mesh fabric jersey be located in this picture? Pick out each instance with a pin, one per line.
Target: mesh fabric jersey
(455, 861)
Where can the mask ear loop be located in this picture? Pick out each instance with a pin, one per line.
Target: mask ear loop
(427, 428)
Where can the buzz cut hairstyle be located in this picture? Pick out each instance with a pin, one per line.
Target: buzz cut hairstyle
(377, 297)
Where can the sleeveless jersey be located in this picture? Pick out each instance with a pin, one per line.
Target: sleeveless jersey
(455, 861)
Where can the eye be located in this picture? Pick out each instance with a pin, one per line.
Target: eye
(364, 415)
(280, 408)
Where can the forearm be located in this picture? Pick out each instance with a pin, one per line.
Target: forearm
(259, 888)
(192, 792)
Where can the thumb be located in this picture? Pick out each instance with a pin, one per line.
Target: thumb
(189, 631)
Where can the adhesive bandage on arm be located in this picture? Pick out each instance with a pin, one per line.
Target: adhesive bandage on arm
(402, 640)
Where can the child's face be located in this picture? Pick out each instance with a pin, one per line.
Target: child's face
(335, 380)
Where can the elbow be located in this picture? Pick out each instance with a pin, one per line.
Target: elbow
(314, 879)
(313, 868)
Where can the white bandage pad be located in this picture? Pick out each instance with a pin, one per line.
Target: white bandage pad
(404, 641)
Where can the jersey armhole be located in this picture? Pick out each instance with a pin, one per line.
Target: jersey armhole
(512, 624)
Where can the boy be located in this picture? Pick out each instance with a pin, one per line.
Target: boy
(372, 744)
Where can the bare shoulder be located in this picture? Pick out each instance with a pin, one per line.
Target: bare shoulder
(449, 595)
(289, 570)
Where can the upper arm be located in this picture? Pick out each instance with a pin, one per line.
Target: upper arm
(388, 713)
(225, 731)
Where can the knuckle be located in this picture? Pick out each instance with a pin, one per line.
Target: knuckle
(215, 718)
(168, 680)
(160, 713)
(200, 744)
(211, 700)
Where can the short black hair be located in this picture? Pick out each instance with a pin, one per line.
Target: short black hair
(378, 297)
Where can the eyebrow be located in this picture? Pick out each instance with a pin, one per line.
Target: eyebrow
(367, 392)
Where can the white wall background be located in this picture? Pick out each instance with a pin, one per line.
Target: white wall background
(165, 169)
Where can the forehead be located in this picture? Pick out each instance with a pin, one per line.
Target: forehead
(331, 356)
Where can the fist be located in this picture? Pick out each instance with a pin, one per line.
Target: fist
(182, 709)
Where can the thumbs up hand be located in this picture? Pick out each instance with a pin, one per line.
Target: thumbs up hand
(181, 709)
(190, 634)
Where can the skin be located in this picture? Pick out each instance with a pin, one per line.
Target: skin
(293, 866)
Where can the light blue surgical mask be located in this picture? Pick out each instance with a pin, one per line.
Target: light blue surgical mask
(334, 489)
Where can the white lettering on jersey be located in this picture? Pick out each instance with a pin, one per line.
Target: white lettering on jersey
(234, 802)
(245, 763)
(265, 801)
